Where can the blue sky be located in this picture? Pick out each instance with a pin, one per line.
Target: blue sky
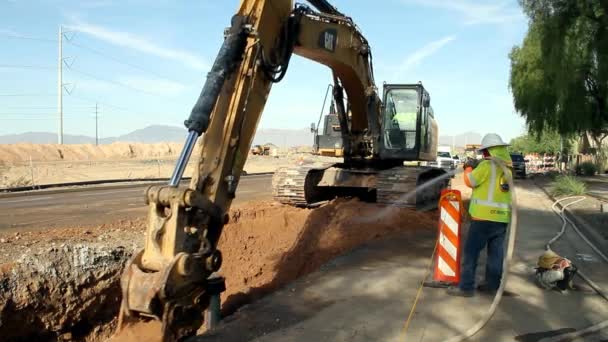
(144, 62)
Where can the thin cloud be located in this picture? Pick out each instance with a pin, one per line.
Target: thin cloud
(131, 41)
(97, 3)
(160, 87)
(11, 32)
(475, 12)
(419, 55)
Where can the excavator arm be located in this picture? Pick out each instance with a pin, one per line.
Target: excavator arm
(169, 280)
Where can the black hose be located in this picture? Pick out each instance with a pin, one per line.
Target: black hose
(275, 66)
(225, 63)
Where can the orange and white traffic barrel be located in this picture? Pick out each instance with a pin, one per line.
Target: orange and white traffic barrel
(447, 262)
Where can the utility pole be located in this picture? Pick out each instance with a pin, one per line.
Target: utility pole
(96, 125)
(60, 88)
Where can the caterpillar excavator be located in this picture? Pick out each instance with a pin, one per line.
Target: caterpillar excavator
(169, 279)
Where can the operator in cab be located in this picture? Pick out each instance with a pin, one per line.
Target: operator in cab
(490, 211)
(405, 108)
(405, 116)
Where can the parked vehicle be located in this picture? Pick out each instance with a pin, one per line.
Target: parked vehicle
(457, 161)
(519, 165)
(445, 159)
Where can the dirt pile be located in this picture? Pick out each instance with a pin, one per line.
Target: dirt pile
(72, 289)
(270, 245)
(115, 151)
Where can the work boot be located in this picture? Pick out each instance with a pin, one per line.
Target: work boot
(458, 292)
(483, 287)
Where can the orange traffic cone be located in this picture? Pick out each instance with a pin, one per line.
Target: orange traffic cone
(447, 257)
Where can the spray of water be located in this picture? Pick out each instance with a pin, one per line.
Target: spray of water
(411, 194)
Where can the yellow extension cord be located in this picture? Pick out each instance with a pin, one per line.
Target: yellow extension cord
(419, 292)
(426, 275)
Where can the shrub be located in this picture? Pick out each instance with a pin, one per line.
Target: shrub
(586, 169)
(567, 186)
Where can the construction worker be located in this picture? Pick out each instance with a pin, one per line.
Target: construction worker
(490, 211)
(405, 120)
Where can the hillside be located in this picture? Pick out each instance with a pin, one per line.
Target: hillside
(160, 134)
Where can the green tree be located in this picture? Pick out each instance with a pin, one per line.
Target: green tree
(559, 75)
(549, 142)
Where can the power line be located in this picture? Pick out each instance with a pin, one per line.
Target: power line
(42, 117)
(86, 74)
(114, 107)
(16, 66)
(82, 98)
(46, 107)
(30, 114)
(95, 51)
(18, 36)
(26, 95)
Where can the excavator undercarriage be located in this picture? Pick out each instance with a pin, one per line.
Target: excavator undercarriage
(402, 186)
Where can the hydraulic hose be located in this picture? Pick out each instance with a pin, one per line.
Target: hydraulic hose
(601, 325)
(506, 262)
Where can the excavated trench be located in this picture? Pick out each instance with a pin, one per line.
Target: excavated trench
(68, 289)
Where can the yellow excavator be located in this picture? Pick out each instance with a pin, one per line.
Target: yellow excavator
(169, 280)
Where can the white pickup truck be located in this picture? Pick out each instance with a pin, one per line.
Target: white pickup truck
(444, 159)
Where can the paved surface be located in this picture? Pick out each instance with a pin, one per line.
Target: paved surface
(598, 186)
(92, 206)
(367, 294)
(589, 213)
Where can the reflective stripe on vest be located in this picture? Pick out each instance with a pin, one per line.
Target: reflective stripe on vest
(491, 204)
(484, 205)
(471, 179)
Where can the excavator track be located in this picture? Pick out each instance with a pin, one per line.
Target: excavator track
(290, 186)
(397, 186)
(412, 187)
(400, 186)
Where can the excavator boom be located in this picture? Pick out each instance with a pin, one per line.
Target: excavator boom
(169, 280)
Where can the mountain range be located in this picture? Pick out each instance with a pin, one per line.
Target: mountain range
(158, 133)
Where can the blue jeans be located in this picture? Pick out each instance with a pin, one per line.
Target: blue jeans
(482, 233)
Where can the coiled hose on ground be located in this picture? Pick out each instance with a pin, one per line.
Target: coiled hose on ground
(601, 325)
(512, 232)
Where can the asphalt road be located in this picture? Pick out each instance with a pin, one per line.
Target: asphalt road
(96, 205)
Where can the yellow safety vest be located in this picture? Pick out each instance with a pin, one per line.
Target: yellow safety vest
(407, 121)
(489, 201)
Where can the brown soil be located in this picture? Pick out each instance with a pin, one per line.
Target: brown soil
(141, 331)
(114, 151)
(286, 243)
(70, 290)
(75, 163)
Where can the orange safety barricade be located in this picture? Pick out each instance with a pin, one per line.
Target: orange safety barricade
(447, 261)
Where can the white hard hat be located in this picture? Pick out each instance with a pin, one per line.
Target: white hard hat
(492, 140)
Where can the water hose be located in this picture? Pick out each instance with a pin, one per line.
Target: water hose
(509, 255)
(601, 325)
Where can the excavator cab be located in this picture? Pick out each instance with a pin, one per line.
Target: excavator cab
(407, 122)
